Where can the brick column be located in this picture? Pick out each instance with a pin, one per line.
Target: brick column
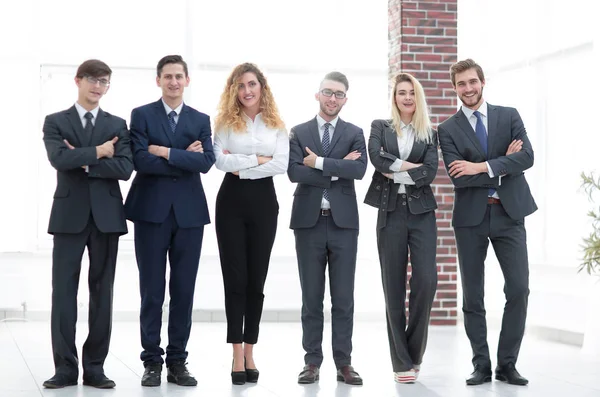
(422, 42)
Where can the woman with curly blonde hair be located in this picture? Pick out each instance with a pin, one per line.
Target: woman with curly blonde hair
(251, 146)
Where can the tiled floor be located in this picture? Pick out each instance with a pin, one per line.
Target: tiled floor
(553, 369)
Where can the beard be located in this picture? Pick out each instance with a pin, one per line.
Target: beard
(330, 112)
(472, 101)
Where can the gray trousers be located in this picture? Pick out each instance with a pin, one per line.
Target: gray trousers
(418, 233)
(324, 244)
(509, 241)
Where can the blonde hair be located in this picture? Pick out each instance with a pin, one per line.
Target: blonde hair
(229, 111)
(420, 120)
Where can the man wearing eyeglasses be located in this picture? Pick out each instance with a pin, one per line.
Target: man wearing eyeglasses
(89, 148)
(326, 155)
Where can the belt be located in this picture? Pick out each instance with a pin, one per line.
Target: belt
(493, 200)
(325, 212)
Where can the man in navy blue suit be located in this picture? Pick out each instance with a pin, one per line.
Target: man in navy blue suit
(171, 145)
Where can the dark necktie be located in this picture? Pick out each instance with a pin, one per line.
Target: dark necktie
(172, 122)
(482, 136)
(89, 127)
(325, 144)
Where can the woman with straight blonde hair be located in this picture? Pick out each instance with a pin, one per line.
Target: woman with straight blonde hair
(251, 146)
(404, 152)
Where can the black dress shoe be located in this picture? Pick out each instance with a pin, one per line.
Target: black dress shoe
(310, 374)
(178, 373)
(58, 381)
(348, 375)
(151, 377)
(508, 373)
(99, 381)
(480, 376)
(238, 377)
(251, 374)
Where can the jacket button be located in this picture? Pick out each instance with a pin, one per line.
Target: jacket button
(377, 187)
(410, 199)
(404, 203)
(424, 172)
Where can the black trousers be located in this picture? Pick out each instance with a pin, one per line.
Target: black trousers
(320, 248)
(406, 232)
(509, 241)
(246, 223)
(66, 267)
(153, 242)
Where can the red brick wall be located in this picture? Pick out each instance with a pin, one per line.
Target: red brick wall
(422, 42)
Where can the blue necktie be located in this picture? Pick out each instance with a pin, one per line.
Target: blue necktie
(325, 144)
(482, 136)
(172, 122)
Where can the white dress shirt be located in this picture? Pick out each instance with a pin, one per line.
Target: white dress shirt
(319, 162)
(245, 147)
(469, 113)
(82, 111)
(406, 139)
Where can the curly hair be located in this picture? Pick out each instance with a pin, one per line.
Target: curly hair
(229, 112)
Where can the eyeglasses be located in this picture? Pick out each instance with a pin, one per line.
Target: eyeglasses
(328, 93)
(94, 81)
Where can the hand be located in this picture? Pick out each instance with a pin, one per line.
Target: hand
(514, 147)
(195, 147)
(460, 168)
(107, 149)
(353, 155)
(311, 159)
(389, 176)
(159, 151)
(226, 151)
(236, 173)
(411, 166)
(263, 159)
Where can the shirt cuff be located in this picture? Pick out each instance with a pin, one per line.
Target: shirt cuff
(87, 169)
(319, 163)
(490, 172)
(168, 153)
(334, 178)
(396, 166)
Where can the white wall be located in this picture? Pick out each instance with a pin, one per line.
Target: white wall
(539, 57)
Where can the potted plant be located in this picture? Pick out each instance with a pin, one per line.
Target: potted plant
(591, 264)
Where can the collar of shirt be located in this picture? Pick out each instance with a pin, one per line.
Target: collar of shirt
(257, 118)
(321, 122)
(469, 112)
(82, 111)
(406, 127)
(168, 109)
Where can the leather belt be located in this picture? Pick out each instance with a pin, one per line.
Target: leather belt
(493, 200)
(325, 212)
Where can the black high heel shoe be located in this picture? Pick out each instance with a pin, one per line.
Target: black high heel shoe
(237, 377)
(251, 374)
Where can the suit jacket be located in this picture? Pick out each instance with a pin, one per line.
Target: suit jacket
(383, 192)
(160, 184)
(79, 193)
(459, 142)
(311, 182)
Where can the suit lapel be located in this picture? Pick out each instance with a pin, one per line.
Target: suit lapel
(314, 132)
(465, 127)
(75, 122)
(416, 153)
(159, 110)
(492, 126)
(340, 129)
(391, 141)
(97, 137)
(181, 126)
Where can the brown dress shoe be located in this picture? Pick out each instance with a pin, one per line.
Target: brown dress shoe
(310, 374)
(348, 375)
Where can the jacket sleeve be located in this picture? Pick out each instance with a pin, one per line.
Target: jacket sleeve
(61, 157)
(300, 173)
(518, 162)
(450, 153)
(194, 161)
(120, 166)
(348, 169)
(380, 159)
(425, 174)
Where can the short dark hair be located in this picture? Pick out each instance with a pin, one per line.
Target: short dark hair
(339, 77)
(462, 66)
(171, 59)
(93, 68)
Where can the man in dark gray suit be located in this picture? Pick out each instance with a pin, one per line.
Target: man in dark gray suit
(89, 148)
(486, 150)
(326, 155)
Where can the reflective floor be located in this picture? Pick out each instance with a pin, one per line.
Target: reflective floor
(553, 369)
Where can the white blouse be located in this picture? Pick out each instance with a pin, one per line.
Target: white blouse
(244, 147)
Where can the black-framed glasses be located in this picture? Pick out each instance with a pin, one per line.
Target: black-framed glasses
(94, 81)
(328, 93)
